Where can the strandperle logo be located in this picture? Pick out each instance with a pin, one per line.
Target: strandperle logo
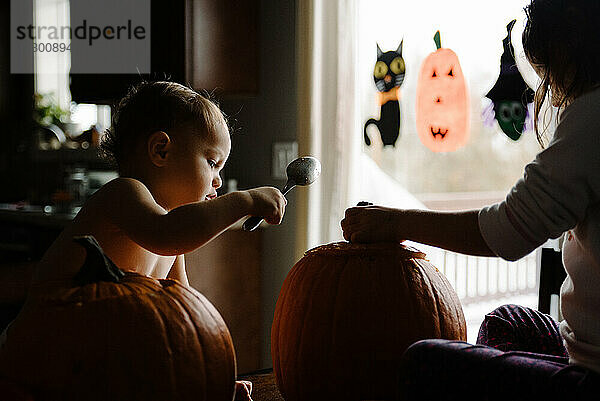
(80, 36)
(90, 33)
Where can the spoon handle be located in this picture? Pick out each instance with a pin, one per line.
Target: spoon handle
(288, 187)
(253, 222)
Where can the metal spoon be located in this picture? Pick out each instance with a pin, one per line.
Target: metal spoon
(302, 171)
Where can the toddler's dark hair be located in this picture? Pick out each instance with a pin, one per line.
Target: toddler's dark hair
(561, 37)
(157, 106)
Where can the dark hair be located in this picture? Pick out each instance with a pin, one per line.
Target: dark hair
(561, 38)
(157, 106)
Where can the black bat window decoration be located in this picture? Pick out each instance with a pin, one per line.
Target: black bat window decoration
(510, 94)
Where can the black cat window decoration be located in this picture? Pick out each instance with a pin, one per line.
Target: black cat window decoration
(388, 76)
(510, 95)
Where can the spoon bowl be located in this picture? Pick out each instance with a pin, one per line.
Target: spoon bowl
(304, 170)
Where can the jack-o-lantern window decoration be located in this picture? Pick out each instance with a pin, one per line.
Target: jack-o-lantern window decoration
(442, 112)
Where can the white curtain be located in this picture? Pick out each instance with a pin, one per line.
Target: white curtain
(329, 126)
(327, 103)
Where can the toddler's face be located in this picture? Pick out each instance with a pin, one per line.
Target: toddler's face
(198, 164)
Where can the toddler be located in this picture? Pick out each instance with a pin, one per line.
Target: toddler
(169, 144)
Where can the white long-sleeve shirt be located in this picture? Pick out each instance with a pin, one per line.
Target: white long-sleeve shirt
(559, 192)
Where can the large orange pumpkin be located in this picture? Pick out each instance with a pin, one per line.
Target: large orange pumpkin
(347, 312)
(442, 104)
(119, 336)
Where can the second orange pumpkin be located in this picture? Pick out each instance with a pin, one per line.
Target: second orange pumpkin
(347, 312)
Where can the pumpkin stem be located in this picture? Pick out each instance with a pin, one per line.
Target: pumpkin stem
(437, 40)
(97, 266)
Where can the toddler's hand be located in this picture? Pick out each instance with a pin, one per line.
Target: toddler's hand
(243, 389)
(371, 224)
(268, 203)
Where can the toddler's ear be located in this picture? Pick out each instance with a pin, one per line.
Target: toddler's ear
(159, 145)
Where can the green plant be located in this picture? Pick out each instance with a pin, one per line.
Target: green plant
(46, 111)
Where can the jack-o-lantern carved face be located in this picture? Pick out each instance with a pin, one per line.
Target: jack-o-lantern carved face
(442, 111)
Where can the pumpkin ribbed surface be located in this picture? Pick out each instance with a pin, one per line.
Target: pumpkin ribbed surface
(347, 312)
(138, 339)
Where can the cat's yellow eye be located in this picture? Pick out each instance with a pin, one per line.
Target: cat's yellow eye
(380, 70)
(397, 65)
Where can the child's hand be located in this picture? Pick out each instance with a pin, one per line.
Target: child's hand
(243, 389)
(268, 203)
(371, 224)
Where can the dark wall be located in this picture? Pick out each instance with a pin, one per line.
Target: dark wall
(16, 105)
(258, 121)
(167, 27)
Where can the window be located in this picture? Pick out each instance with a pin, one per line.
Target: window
(490, 163)
(52, 75)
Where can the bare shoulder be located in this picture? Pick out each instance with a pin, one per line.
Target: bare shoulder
(122, 188)
(105, 203)
(120, 197)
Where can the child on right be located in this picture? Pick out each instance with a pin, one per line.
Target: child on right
(522, 353)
